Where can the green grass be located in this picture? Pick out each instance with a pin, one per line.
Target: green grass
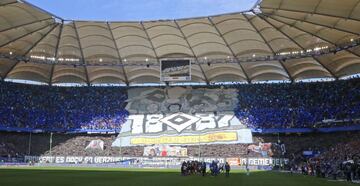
(52, 176)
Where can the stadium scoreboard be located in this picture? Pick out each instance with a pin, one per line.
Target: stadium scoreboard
(175, 69)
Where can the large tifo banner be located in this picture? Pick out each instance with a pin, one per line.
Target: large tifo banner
(182, 116)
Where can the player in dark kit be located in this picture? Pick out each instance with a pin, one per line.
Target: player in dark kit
(347, 171)
(227, 169)
(203, 168)
(183, 169)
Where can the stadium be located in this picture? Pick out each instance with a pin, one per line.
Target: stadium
(265, 96)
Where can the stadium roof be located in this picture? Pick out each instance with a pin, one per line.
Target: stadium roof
(276, 40)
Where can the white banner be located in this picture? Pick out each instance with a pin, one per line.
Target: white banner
(95, 144)
(164, 151)
(148, 161)
(182, 116)
(182, 129)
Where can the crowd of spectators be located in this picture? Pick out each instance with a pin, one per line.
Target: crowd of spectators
(260, 106)
(7, 149)
(299, 105)
(335, 155)
(335, 158)
(74, 145)
(61, 108)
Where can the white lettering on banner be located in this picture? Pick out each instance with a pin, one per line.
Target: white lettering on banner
(60, 159)
(137, 123)
(45, 159)
(179, 121)
(151, 160)
(207, 121)
(74, 159)
(170, 128)
(106, 159)
(224, 120)
(88, 159)
(154, 123)
(262, 161)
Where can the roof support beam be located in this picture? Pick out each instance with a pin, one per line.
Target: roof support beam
(281, 3)
(118, 53)
(10, 69)
(268, 45)
(353, 9)
(24, 35)
(82, 55)
(42, 10)
(293, 10)
(315, 36)
(299, 45)
(157, 57)
(304, 20)
(151, 43)
(37, 42)
(25, 24)
(28, 51)
(56, 53)
(316, 7)
(255, 5)
(230, 49)
(192, 51)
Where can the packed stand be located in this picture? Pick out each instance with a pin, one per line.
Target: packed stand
(299, 105)
(61, 108)
(339, 161)
(75, 145)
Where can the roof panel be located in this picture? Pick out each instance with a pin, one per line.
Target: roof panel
(279, 26)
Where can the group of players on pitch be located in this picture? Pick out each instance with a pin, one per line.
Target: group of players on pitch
(199, 168)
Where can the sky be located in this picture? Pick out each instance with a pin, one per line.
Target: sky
(139, 10)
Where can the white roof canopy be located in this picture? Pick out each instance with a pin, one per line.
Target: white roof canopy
(104, 52)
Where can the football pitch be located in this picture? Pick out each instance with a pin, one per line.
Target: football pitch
(149, 177)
